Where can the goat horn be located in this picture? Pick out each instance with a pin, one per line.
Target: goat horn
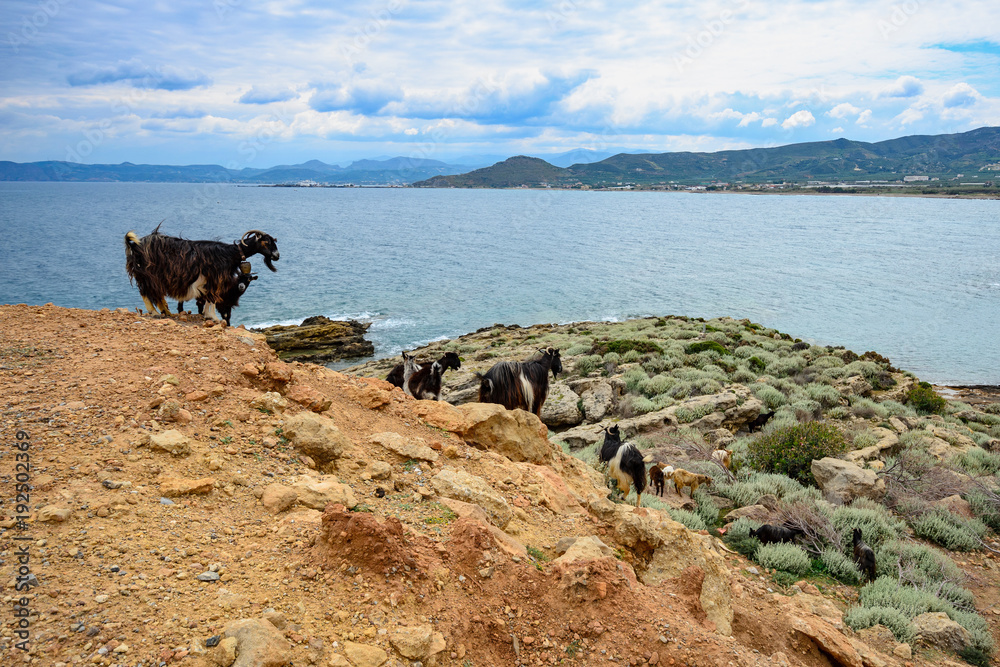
(253, 231)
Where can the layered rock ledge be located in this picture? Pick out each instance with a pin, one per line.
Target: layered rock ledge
(319, 340)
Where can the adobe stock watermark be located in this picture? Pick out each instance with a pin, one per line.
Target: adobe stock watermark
(899, 16)
(32, 24)
(561, 14)
(710, 33)
(376, 24)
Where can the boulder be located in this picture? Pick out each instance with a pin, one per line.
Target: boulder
(843, 481)
(364, 655)
(409, 449)
(460, 485)
(585, 548)
(171, 441)
(581, 436)
(318, 492)
(278, 498)
(720, 437)
(755, 512)
(418, 642)
(258, 643)
(831, 642)
(888, 442)
(551, 490)
(270, 402)
(743, 413)
(319, 340)
(516, 434)
(853, 386)
(937, 630)
(959, 442)
(597, 401)
(309, 398)
(440, 414)
(955, 504)
(561, 407)
(316, 436)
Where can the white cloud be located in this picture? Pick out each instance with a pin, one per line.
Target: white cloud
(961, 95)
(864, 117)
(799, 119)
(904, 86)
(769, 122)
(843, 110)
(911, 115)
(751, 117)
(837, 130)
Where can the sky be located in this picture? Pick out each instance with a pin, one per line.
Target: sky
(242, 83)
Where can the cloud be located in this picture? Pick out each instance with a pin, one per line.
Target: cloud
(798, 119)
(140, 75)
(770, 122)
(837, 130)
(751, 117)
(961, 95)
(904, 86)
(864, 117)
(911, 115)
(366, 97)
(843, 110)
(267, 95)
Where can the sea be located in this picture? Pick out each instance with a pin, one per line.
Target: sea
(915, 279)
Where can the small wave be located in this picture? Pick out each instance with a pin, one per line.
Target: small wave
(361, 317)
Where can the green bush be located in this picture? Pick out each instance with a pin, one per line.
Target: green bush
(876, 523)
(985, 507)
(707, 509)
(634, 378)
(923, 399)
(749, 487)
(791, 450)
(706, 345)
(785, 557)
(840, 566)
(839, 412)
(655, 386)
(865, 438)
(826, 395)
(859, 618)
(577, 349)
(920, 564)
(623, 346)
(744, 376)
(632, 356)
(757, 363)
(978, 462)
(612, 358)
(587, 365)
(992, 408)
(688, 519)
(770, 396)
(951, 531)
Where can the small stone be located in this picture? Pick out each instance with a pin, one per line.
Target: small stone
(213, 641)
(903, 651)
(101, 599)
(208, 576)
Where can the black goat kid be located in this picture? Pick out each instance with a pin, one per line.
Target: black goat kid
(768, 534)
(520, 384)
(449, 360)
(863, 555)
(625, 463)
(422, 383)
(166, 266)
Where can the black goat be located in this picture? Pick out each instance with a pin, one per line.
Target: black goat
(863, 555)
(758, 423)
(768, 534)
(625, 463)
(166, 266)
(449, 360)
(420, 382)
(520, 384)
(231, 298)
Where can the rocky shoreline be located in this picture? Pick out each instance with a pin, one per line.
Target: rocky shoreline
(319, 340)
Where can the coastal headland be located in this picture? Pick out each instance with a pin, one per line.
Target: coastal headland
(194, 500)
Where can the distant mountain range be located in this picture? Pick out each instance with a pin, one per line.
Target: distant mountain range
(974, 154)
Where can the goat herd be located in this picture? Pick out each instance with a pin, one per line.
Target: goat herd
(216, 274)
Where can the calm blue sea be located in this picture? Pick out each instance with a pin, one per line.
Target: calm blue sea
(918, 280)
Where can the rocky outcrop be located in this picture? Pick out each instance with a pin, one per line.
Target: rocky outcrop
(418, 642)
(831, 642)
(414, 448)
(318, 492)
(887, 443)
(516, 434)
(843, 481)
(258, 643)
(561, 406)
(319, 340)
(673, 548)
(937, 630)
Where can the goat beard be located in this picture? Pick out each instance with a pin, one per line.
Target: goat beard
(268, 264)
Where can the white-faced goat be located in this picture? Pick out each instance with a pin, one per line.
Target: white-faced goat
(520, 384)
(419, 382)
(449, 360)
(625, 463)
(166, 266)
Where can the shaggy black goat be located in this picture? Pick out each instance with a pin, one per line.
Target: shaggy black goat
(863, 555)
(768, 534)
(625, 463)
(758, 423)
(420, 382)
(520, 384)
(449, 360)
(659, 473)
(231, 298)
(166, 266)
